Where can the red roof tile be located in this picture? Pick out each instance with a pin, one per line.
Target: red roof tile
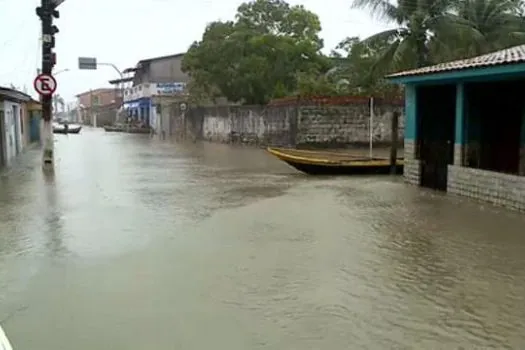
(511, 55)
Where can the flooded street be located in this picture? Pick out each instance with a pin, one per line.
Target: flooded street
(139, 244)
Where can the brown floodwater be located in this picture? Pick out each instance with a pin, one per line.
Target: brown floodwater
(139, 244)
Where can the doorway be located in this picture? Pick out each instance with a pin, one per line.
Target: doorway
(498, 140)
(17, 122)
(436, 111)
(2, 139)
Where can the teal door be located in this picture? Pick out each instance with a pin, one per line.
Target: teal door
(34, 127)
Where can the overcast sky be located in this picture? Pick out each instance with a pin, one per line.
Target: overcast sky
(124, 31)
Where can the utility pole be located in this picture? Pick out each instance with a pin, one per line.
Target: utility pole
(47, 12)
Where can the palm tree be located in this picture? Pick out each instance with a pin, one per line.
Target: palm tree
(436, 31)
(417, 21)
(484, 26)
(58, 100)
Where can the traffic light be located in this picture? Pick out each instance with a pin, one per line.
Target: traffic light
(54, 11)
(48, 9)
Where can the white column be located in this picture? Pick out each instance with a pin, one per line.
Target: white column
(48, 156)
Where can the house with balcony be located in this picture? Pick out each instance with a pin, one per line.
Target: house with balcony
(152, 81)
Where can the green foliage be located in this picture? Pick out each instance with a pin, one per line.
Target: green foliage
(272, 49)
(357, 72)
(259, 56)
(432, 31)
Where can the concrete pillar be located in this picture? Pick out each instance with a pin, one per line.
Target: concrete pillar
(410, 121)
(48, 156)
(459, 139)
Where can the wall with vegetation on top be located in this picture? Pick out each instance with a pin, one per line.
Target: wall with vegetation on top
(313, 123)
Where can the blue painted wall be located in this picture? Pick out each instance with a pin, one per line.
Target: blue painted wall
(410, 112)
(34, 127)
(140, 108)
(460, 114)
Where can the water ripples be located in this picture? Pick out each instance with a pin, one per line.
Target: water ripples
(207, 239)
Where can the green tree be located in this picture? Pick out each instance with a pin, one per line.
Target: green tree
(261, 55)
(417, 22)
(354, 72)
(435, 31)
(485, 26)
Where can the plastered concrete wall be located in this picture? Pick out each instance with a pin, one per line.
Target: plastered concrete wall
(301, 126)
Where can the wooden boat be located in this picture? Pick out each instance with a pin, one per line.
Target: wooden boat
(60, 129)
(334, 163)
(135, 130)
(110, 128)
(4, 342)
(126, 129)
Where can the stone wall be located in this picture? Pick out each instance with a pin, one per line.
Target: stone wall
(497, 188)
(334, 126)
(300, 125)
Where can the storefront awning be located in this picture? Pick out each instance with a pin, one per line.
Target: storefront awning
(143, 102)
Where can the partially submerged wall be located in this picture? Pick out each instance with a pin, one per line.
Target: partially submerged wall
(312, 124)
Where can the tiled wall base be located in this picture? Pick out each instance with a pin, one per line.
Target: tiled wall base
(411, 171)
(500, 189)
(411, 167)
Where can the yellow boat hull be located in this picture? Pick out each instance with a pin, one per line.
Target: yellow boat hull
(334, 163)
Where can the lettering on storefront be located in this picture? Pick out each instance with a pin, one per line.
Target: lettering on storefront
(170, 88)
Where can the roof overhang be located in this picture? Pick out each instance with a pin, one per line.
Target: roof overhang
(487, 73)
(159, 58)
(14, 95)
(120, 81)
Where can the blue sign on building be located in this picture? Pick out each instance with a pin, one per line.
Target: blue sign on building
(139, 110)
(170, 88)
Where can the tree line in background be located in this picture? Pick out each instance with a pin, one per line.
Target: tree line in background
(273, 50)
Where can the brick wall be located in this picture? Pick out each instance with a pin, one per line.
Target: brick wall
(497, 188)
(100, 97)
(334, 126)
(315, 126)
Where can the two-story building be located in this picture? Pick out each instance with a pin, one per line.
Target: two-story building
(153, 79)
(99, 107)
(97, 97)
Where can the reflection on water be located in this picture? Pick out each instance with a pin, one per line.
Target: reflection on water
(136, 244)
(54, 226)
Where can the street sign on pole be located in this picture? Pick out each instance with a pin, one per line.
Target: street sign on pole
(45, 84)
(87, 63)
